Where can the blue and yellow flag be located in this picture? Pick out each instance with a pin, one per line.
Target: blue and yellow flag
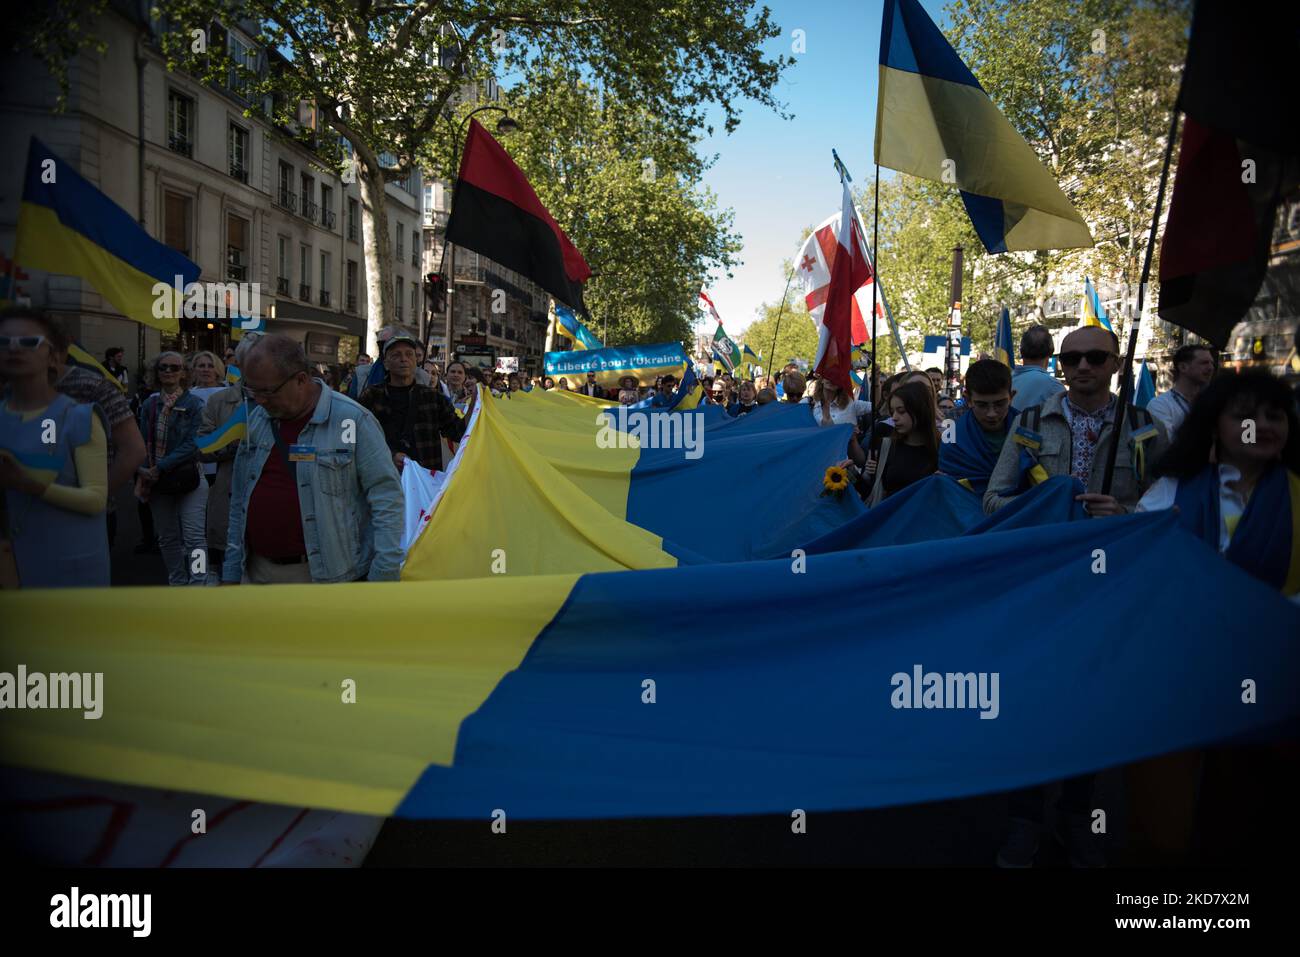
(750, 357)
(1003, 350)
(572, 326)
(1093, 312)
(233, 375)
(1145, 390)
(934, 120)
(79, 357)
(66, 225)
(232, 430)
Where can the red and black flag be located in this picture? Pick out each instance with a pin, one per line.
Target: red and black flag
(1239, 161)
(496, 213)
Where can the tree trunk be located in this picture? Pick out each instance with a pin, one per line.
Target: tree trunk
(378, 252)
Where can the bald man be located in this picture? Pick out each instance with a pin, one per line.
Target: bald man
(1072, 432)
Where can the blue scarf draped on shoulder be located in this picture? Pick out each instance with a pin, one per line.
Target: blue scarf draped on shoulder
(969, 459)
(1266, 542)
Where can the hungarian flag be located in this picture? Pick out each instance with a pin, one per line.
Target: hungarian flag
(1237, 163)
(849, 272)
(813, 268)
(496, 213)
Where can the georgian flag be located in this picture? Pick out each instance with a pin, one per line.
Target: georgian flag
(848, 273)
(813, 268)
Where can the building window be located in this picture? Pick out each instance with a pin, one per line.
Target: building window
(308, 206)
(352, 219)
(399, 296)
(238, 141)
(282, 278)
(237, 234)
(428, 204)
(400, 247)
(177, 222)
(415, 248)
(304, 273)
(327, 206)
(242, 54)
(287, 197)
(180, 123)
(415, 312)
(325, 281)
(352, 285)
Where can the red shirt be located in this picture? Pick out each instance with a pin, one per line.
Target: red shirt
(273, 527)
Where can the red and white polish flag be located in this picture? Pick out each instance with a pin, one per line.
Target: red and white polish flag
(847, 273)
(813, 269)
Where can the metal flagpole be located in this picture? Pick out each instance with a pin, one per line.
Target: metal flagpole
(1126, 380)
(875, 275)
(771, 352)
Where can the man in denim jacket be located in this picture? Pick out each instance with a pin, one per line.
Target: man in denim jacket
(315, 495)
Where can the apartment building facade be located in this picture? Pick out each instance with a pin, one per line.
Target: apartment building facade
(246, 200)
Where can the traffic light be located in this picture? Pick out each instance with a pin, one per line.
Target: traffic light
(435, 286)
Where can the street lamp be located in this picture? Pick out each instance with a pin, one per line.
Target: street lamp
(505, 125)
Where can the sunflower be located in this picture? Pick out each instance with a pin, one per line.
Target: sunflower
(836, 479)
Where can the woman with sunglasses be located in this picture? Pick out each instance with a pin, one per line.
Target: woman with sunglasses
(53, 467)
(170, 481)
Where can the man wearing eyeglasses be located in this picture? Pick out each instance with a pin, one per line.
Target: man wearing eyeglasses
(315, 495)
(1070, 433)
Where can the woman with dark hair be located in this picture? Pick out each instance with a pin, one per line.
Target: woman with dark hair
(1234, 474)
(911, 453)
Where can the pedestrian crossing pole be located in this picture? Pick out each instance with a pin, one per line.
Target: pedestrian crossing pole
(952, 356)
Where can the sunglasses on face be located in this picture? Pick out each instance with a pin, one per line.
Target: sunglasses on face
(1095, 357)
(169, 368)
(13, 343)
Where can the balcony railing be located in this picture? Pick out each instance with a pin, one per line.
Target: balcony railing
(310, 209)
(239, 172)
(468, 273)
(282, 286)
(324, 297)
(289, 200)
(352, 303)
(179, 143)
(327, 218)
(304, 292)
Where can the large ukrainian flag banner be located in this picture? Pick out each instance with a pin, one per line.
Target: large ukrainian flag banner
(66, 225)
(934, 120)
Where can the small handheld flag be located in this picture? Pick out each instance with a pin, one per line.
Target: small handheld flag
(1146, 387)
(1003, 350)
(232, 430)
(1094, 313)
(573, 327)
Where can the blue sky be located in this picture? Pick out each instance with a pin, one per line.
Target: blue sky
(776, 174)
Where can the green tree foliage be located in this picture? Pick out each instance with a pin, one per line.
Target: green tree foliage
(626, 187)
(385, 76)
(1090, 84)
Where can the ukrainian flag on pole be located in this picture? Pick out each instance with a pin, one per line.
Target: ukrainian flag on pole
(934, 120)
(66, 225)
(573, 327)
(1003, 350)
(1094, 313)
